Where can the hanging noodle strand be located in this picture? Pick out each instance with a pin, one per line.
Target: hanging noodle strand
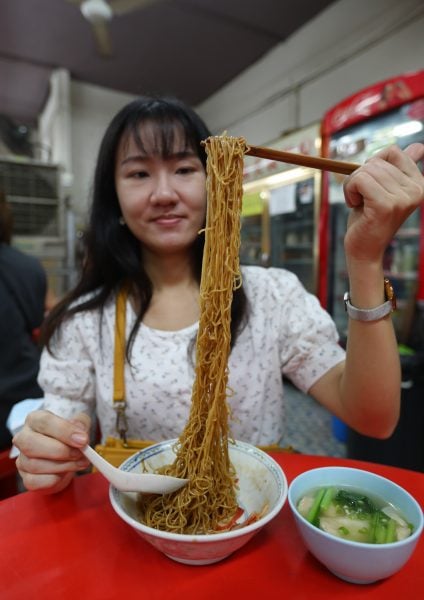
(208, 502)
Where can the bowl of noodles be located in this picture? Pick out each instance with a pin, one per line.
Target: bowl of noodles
(260, 487)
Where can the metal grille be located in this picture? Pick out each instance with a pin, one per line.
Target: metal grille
(32, 191)
(28, 180)
(35, 219)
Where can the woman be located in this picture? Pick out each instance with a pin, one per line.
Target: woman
(148, 207)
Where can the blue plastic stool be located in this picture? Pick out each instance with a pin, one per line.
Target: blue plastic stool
(339, 429)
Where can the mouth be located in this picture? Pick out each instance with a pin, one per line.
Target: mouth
(169, 219)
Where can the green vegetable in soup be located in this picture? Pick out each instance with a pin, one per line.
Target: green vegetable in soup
(353, 515)
(354, 503)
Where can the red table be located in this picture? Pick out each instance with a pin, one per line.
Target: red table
(73, 546)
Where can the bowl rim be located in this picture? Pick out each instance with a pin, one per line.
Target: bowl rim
(352, 543)
(202, 538)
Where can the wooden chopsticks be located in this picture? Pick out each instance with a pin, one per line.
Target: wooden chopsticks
(303, 160)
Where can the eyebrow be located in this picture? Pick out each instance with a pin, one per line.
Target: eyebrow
(173, 156)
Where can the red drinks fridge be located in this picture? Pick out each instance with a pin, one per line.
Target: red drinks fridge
(389, 112)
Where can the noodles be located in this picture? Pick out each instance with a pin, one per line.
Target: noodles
(208, 502)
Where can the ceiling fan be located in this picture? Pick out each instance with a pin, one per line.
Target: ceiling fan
(99, 13)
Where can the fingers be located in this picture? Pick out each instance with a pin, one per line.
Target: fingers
(47, 484)
(370, 181)
(50, 450)
(383, 193)
(56, 431)
(36, 445)
(48, 475)
(404, 160)
(401, 165)
(415, 152)
(391, 177)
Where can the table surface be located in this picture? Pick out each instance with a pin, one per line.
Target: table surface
(73, 545)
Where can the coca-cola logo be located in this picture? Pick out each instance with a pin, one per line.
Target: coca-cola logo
(359, 108)
(371, 102)
(416, 110)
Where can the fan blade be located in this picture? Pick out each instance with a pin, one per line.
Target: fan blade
(120, 7)
(102, 36)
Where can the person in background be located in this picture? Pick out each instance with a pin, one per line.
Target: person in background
(145, 233)
(23, 293)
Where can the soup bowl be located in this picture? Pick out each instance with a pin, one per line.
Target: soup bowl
(262, 489)
(356, 562)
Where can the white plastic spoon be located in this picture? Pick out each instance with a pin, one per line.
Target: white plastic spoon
(149, 483)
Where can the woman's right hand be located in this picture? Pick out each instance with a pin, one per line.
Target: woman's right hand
(50, 450)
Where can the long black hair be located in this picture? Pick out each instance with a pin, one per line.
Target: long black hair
(112, 253)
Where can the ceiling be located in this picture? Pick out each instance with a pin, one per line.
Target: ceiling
(190, 48)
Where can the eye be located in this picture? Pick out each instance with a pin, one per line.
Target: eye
(186, 169)
(138, 174)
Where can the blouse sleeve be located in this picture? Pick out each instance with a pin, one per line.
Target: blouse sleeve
(308, 341)
(66, 373)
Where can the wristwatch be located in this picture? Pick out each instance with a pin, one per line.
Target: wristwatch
(373, 314)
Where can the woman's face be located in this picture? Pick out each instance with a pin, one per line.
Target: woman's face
(162, 199)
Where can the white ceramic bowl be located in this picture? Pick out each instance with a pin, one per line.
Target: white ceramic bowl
(261, 482)
(356, 562)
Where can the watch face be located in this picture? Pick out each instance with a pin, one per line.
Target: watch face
(389, 292)
(346, 299)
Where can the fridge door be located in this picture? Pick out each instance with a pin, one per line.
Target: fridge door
(279, 223)
(293, 231)
(281, 209)
(254, 233)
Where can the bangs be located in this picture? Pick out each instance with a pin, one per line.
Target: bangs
(161, 137)
(161, 127)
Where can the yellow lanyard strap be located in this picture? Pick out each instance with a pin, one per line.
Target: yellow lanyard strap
(119, 363)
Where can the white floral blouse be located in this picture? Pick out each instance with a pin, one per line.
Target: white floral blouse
(287, 333)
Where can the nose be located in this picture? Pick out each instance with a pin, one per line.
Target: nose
(163, 191)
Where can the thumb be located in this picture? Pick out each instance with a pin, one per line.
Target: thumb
(82, 421)
(80, 436)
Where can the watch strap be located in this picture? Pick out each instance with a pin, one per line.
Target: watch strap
(367, 314)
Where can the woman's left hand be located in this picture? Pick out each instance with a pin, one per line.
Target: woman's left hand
(382, 194)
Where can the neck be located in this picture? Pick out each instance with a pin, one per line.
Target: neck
(175, 301)
(169, 271)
